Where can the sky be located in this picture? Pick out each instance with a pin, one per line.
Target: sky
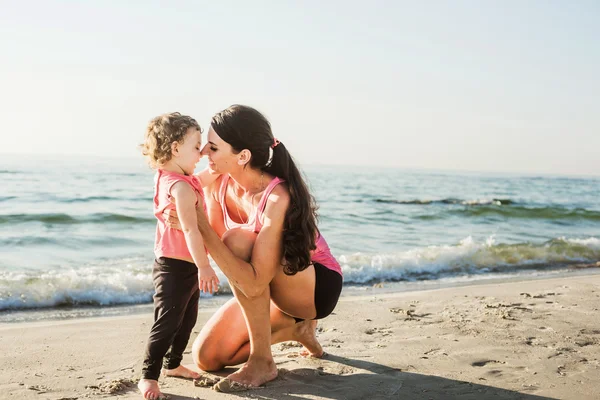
(502, 86)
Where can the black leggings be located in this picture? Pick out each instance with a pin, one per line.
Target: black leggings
(175, 313)
(328, 287)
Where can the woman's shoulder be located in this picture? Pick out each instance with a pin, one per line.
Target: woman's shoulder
(279, 196)
(216, 184)
(214, 187)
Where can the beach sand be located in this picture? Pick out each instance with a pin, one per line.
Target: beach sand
(514, 340)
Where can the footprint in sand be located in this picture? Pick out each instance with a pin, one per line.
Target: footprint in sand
(334, 343)
(116, 386)
(40, 389)
(572, 366)
(585, 342)
(382, 331)
(289, 345)
(206, 380)
(590, 331)
(544, 295)
(530, 387)
(344, 370)
(435, 352)
(483, 363)
(410, 313)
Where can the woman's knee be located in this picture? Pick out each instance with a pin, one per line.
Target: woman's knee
(205, 355)
(240, 242)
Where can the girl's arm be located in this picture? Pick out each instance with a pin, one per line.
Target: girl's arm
(185, 199)
(253, 277)
(213, 208)
(207, 176)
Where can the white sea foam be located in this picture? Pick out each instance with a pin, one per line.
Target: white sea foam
(129, 281)
(114, 282)
(467, 257)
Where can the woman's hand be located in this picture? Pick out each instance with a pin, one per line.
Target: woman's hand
(171, 219)
(200, 213)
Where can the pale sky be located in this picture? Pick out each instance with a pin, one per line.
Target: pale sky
(504, 86)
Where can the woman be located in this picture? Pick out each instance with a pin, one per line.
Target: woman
(262, 233)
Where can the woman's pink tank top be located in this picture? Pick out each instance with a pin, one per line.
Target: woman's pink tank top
(170, 242)
(322, 254)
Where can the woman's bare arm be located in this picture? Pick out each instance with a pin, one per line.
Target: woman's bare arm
(213, 207)
(253, 277)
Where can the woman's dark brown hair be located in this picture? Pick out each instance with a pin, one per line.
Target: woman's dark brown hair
(244, 127)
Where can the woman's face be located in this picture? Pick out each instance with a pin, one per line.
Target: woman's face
(221, 158)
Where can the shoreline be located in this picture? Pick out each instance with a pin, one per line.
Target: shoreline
(350, 290)
(532, 339)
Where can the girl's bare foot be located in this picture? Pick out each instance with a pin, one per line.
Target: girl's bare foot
(150, 390)
(181, 372)
(305, 333)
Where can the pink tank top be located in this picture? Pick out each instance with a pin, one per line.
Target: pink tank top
(170, 242)
(322, 254)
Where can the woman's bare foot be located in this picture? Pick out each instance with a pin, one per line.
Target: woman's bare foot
(305, 334)
(150, 390)
(181, 372)
(255, 373)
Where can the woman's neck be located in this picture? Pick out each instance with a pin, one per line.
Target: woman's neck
(250, 180)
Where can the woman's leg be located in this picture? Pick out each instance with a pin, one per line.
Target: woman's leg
(260, 367)
(226, 339)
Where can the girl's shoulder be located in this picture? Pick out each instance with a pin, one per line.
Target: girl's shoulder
(166, 181)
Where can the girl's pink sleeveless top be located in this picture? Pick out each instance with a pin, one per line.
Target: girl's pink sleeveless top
(170, 242)
(322, 254)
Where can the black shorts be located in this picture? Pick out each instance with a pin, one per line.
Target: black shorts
(328, 287)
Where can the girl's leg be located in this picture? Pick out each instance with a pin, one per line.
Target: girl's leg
(170, 303)
(172, 361)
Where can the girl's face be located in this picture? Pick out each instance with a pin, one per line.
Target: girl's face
(221, 158)
(187, 154)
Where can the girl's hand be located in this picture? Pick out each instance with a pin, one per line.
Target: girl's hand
(208, 280)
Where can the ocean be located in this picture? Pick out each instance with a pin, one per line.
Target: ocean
(76, 233)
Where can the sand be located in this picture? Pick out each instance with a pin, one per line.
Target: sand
(514, 340)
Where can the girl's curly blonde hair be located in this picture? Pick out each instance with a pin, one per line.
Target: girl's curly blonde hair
(163, 131)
